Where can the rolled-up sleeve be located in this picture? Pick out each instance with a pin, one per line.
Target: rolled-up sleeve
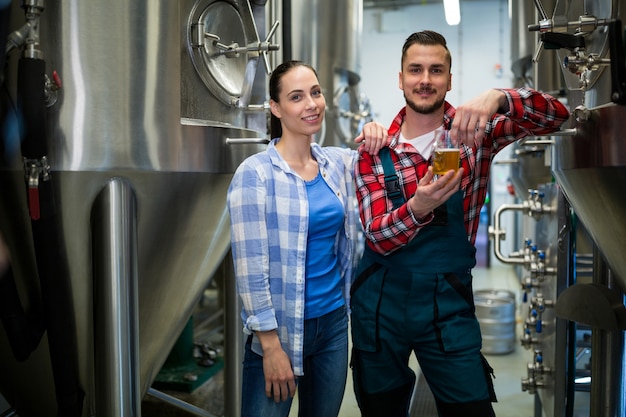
(249, 242)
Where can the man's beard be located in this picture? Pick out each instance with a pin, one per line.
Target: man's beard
(425, 109)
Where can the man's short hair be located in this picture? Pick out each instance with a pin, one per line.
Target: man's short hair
(425, 37)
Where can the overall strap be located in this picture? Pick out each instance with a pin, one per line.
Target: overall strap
(392, 183)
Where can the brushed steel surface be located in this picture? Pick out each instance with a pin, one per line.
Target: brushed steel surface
(529, 168)
(591, 165)
(591, 169)
(132, 106)
(336, 56)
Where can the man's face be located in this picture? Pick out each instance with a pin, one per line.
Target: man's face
(425, 77)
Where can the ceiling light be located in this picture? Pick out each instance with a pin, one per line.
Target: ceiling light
(453, 12)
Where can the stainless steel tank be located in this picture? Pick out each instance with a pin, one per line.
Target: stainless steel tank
(591, 165)
(336, 56)
(144, 133)
(530, 164)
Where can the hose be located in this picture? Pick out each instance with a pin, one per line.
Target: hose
(51, 259)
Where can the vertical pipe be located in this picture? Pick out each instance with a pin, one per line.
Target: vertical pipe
(564, 339)
(523, 42)
(607, 359)
(287, 35)
(115, 271)
(233, 340)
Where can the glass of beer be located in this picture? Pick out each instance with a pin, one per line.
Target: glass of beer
(446, 156)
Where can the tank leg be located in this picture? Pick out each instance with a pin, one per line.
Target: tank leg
(116, 330)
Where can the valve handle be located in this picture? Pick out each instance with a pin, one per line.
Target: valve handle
(266, 61)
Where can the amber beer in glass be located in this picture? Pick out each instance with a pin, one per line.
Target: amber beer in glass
(446, 156)
(445, 159)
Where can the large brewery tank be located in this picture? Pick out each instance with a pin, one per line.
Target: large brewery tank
(591, 165)
(336, 55)
(142, 139)
(530, 164)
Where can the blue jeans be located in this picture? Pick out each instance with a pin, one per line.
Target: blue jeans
(321, 388)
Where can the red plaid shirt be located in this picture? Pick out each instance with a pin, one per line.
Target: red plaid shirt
(530, 113)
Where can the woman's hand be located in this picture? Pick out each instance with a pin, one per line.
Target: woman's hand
(372, 138)
(280, 382)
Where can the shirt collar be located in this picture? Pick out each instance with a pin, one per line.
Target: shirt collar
(394, 129)
(316, 151)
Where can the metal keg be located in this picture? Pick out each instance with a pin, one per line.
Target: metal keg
(495, 311)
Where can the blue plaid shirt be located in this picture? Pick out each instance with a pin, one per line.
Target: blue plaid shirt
(269, 215)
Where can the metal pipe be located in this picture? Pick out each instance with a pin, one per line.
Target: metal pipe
(525, 142)
(51, 259)
(246, 141)
(180, 404)
(607, 379)
(500, 234)
(116, 324)
(233, 340)
(565, 132)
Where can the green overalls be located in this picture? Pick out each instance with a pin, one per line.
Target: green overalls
(420, 299)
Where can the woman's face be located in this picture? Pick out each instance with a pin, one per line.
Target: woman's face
(301, 103)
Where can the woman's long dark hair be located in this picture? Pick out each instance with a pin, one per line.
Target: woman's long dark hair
(276, 129)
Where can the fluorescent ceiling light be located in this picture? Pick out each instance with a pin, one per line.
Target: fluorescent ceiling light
(453, 12)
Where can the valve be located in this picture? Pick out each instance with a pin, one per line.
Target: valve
(528, 283)
(554, 36)
(554, 31)
(534, 205)
(28, 34)
(233, 50)
(205, 353)
(537, 266)
(536, 374)
(527, 340)
(537, 307)
(213, 58)
(531, 320)
(51, 87)
(36, 170)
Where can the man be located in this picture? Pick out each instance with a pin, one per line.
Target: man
(413, 291)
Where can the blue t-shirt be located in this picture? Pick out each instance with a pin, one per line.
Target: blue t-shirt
(323, 283)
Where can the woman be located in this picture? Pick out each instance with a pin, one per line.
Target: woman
(293, 229)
